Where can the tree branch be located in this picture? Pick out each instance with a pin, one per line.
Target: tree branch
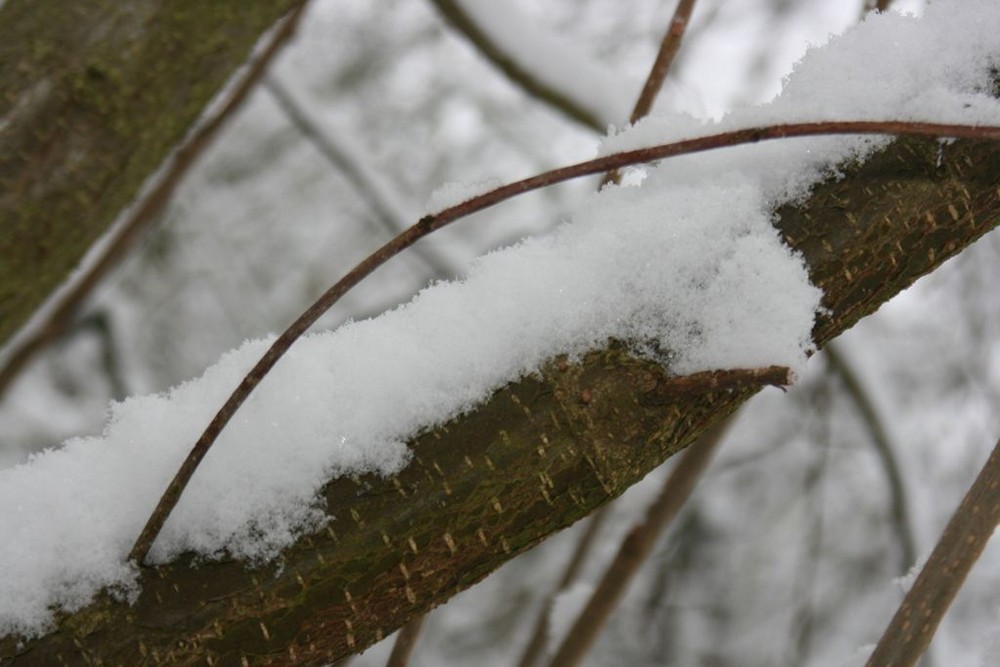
(884, 451)
(669, 47)
(963, 540)
(533, 459)
(552, 95)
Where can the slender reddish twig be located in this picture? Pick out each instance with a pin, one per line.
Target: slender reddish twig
(664, 59)
(430, 223)
(963, 540)
(146, 210)
(669, 46)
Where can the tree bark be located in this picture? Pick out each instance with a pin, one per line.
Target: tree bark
(540, 454)
(94, 94)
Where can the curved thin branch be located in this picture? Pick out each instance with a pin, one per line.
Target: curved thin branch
(430, 223)
(148, 208)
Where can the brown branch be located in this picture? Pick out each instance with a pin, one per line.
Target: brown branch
(669, 46)
(387, 212)
(145, 212)
(963, 540)
(536, 645)
(664, 59)
(430, 223)
(885, 452)
(634, 550)
(880, 5)
(522, 76)
(406, 639)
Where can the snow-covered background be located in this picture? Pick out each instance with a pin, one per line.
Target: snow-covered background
(787, 554)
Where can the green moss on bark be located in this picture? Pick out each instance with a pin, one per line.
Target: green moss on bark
(96, 93)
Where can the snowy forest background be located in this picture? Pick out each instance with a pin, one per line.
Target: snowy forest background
(789, 551)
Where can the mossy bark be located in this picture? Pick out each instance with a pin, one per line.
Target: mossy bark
(539, 455)
(94, 94)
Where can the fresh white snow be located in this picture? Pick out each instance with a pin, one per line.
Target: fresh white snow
(687, 259)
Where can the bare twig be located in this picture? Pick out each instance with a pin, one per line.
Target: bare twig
(536, 645)
(885, 452)
(963, 540)
(522, 76)
(388, 211)
(669, 46)
(406, 639)
(664, 59)
(431, 223)
(146, 211)
(634, 549)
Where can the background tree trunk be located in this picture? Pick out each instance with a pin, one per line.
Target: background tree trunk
(95, 94)
(541, 454)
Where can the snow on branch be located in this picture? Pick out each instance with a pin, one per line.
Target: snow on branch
(688, 268)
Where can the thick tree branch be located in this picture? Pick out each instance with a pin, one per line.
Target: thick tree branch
(539, 455)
